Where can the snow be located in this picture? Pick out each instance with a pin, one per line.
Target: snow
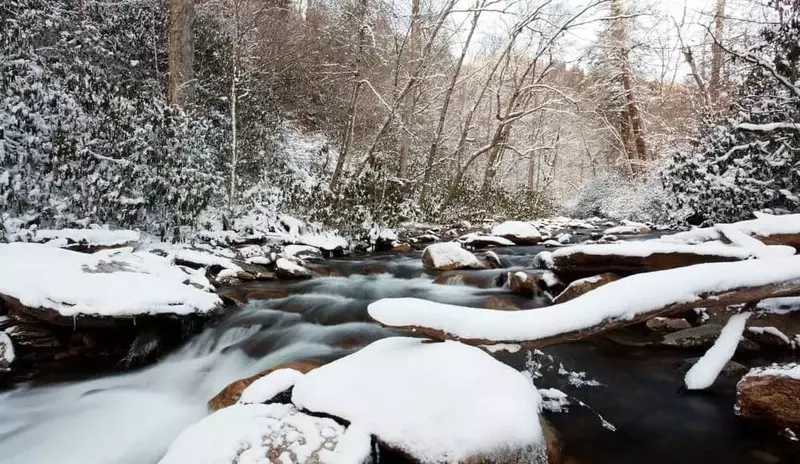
(757, 247)
(7, 355)
(267, 387)
(649, 247)
(623, 299)
(266, 434)
(705, 371)
(772, 331)
(290, 251)
(382, 234)
(327, 241)
(791, 370)
(87, 237)
(517, 230)
(564, 238)
(111, 283)
(438, 402)
(554, 400)
(764, 225)
(448, 254)
(779, 306)
(509, 347)
(290, 267)
(628, 228)
(205, 259)
(469, 239)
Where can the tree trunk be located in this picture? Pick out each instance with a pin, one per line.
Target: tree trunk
(410, 100)
(180, 72)
(715, 81)
(347, 138)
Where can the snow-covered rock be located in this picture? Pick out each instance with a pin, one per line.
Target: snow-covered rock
(449, 256)
(7, 355)
(667, 324)
(771, 394)
(118, 283)
(585, 285)
(476, 240)
(703, 374)
(232, 393)
(628, 228)
(435, 402)
(519, 232)
(301, 252)
(267, 387)
(291, 269)
(267, 434)
(87, 240)
(197, 259)
(625, 301)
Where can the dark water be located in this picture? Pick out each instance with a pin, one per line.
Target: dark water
(130, 419)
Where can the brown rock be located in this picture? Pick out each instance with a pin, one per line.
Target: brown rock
(772, 398)
(581, 264)
(448, 278)
(522, 283)
(579, 287)
(267, 295)
(230, 394)
(402, 248)
(667, 324)
(526, 455)
(501, 303)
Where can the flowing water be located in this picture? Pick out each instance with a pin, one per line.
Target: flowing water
(132, 418)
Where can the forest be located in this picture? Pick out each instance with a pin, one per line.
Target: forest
(399, 231)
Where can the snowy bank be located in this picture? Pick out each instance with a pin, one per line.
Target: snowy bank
(86, 240)
(615, 304)
(116, 283)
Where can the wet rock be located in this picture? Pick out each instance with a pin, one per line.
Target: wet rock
(667, 324)
(144, 348)
(267, 295)
(326, 272)
(449, 256)
(492, 260)
(771, 394)
(523, 284)
(585, 285)
(500, 303)
(731, 369)
(230, 394)
(374, 269)
(702, 337)
(402, 248)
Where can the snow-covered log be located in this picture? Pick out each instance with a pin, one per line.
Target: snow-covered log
(620, 303)
(768, 229)
(705, 371)
(86, 240)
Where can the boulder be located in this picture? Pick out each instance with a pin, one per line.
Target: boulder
(502, 303)
(7, 356)
(402, 248)
(275, 433)
(291, 269)
(449, 256)
(519, 232)
(628, 228)
(521, 283)
(702, 337)
(484, 241)
(667, 324)
(771, 394)
(585, 285)
(231, 394)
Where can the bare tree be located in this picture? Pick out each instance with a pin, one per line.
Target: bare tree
(180, 51)
(715, 80)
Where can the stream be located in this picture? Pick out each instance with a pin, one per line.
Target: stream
(133, 417)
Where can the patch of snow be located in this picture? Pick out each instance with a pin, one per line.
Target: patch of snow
(290, 267)
(706, 370)
(114, 283)
(509, 347)
(383, 234)
(266, 434)
(543, 260)
(564, 238)
(757, 247)
(301, 251)
(623, 299)
(791, 370)
(451, 253)
(267, 387)
(646, 248)
(205, 259)
(779, 306)
(772, 331)
(469, 239)
(7, 355)
(89, 237)
(553, 400)
(438, 402)
(518, 230)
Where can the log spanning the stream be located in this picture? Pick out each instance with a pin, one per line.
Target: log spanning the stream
(617, 304)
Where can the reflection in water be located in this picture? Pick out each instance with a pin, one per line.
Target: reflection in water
(132, 418)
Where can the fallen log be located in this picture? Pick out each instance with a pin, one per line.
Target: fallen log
(614, 305)
(767, 228)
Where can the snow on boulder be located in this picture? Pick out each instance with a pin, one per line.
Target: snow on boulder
(7, 356)
(771, 394)
(196, 259)
(585, 285)
(233, 392)
(449, 256)
(633, 257)
(269, 386)
(616, 304)
(267, 434)
(519, 232)
(56, 284)
(434, 402)
(476, 240)
(87, 240)
(301, 251)
(705, 371)
(628, 228)
(291, 269)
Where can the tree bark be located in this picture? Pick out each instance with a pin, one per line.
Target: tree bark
(180, 49)
(715, 80)
(410, 100)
